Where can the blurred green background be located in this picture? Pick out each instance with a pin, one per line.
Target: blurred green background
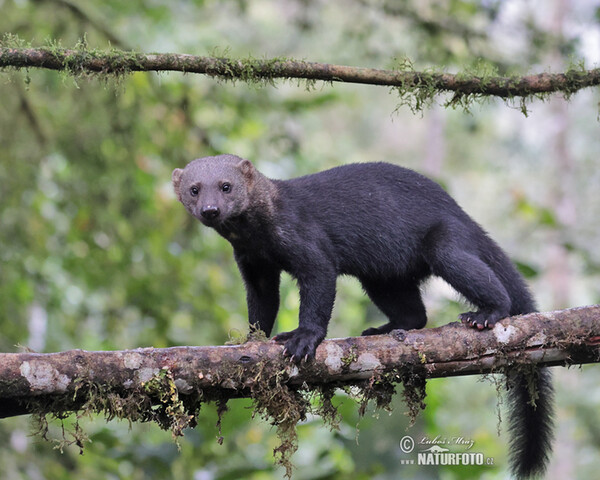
(96, 253)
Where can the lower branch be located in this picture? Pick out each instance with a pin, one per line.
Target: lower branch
(66, 381)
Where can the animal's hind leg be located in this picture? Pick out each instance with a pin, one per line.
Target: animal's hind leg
(451, 259)
(401, 303)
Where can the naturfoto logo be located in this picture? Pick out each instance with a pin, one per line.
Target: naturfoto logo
(433, 453)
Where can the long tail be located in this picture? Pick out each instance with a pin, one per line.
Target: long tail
(530, 394)
(530, 398)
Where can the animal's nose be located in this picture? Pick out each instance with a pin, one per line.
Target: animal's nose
(210, 211)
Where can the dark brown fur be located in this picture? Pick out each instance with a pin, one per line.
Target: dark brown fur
(388, 226)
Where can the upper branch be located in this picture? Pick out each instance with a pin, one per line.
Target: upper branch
(116, 62)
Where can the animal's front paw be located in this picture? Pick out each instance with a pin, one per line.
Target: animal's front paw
(481, 319)
(299, 344)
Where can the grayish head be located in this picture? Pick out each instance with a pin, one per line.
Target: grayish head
(215, 189)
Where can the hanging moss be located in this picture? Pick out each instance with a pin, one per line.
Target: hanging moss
(275, 400)
(415, 89)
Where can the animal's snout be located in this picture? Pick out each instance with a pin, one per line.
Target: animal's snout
(210, 212)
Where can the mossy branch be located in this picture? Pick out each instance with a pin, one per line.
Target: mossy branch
(168, 386)
(63, 381)
(423, 85)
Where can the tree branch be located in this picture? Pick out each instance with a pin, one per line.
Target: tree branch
(420, 83)
(63, 382)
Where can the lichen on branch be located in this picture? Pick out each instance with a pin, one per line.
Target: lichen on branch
(168, 386)
(415, 88)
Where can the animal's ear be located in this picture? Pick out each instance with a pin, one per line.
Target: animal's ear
(246, 168)
(176, 179)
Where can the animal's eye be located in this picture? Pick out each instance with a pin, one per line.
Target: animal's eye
(226, 187)
(194, 190)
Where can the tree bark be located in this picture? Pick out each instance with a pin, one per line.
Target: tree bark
(116, 62)
(62, 379)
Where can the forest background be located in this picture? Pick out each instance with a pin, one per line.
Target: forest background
(96, 253)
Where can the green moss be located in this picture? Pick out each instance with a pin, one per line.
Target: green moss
(76, 61)
(351, 357)
(251, 70)
(418, 90)
(380, 388)
(276, 400)
(169, 410)
(10, 40)
(282, 405)
(156, 400)
(414, 392)
(325, 408)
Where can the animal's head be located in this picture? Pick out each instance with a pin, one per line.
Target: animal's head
(215, 189)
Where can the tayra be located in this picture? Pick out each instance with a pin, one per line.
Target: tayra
(388, 226)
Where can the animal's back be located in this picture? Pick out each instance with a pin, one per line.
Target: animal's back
(373, 217)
